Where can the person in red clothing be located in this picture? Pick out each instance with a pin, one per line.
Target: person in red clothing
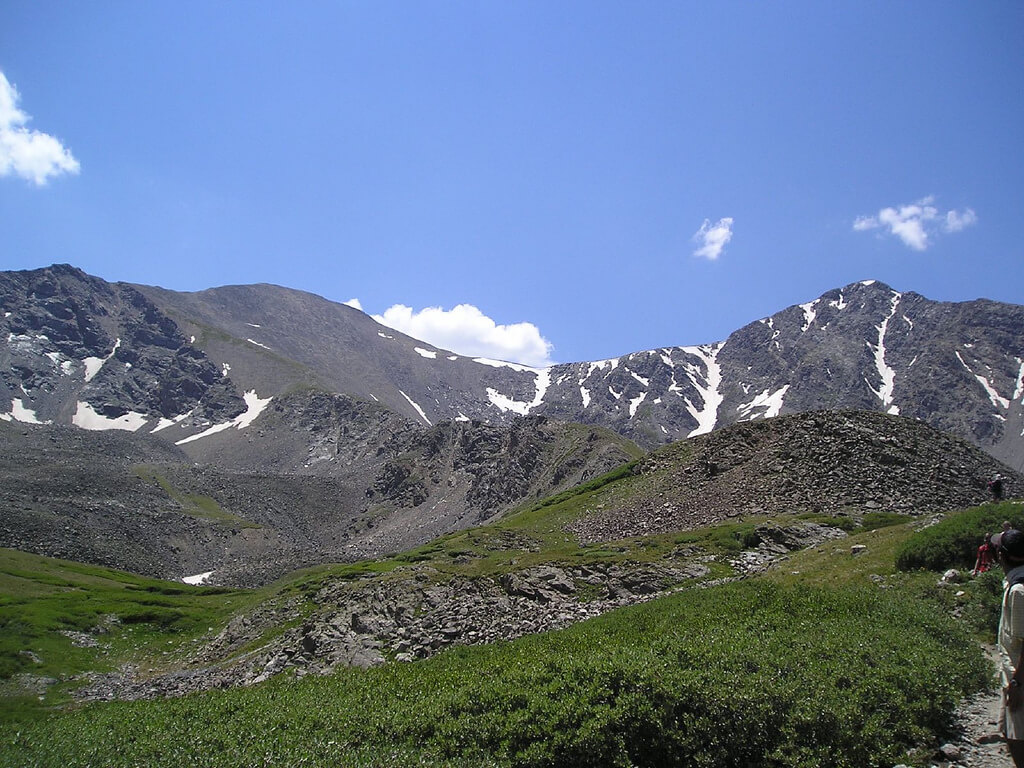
(985, 556)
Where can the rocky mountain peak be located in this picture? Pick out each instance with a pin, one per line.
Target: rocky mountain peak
(194, 365)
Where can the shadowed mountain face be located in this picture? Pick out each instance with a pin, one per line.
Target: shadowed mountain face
(257, 428)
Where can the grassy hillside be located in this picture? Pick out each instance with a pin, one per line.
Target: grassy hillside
(60, 618)
(830, 659)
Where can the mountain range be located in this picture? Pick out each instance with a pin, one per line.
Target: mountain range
(291, 428)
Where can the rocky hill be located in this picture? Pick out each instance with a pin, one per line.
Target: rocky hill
(833, 463)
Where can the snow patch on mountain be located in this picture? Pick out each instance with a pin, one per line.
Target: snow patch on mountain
(164, 423)
(86, 417)
(94, 364)
(254, 406)
(600, 365)
(542, 382)
(430, 355)
(770, 322)
(809, 314)
(22, 342)
(415, 405)
(771, 402)
(20, 413)
(706, 381)
(641, 379)
(885, 372)
(635, 403)
(993, 395)
(505, 364)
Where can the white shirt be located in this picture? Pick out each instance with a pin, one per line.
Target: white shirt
(1011, 624)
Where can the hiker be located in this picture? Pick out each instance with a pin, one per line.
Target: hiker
(995, 485)
(985, 556)
(1009, 547)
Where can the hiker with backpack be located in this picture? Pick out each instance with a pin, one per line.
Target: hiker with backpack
(1009, 546)
(995, 486)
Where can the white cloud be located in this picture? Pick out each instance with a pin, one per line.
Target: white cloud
(468, 331)
(713, 238)
(958, 221)
(26, 153)
(915, 223)
(355, 304)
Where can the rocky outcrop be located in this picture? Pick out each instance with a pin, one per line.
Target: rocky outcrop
(365, 623)
(417, 613)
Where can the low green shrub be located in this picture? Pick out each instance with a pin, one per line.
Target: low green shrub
(43, 598)
(953, 542)
(748, 673)
(981, 610)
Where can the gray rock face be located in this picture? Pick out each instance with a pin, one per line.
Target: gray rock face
(79, 350)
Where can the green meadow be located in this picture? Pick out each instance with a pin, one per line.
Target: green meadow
(828, 659)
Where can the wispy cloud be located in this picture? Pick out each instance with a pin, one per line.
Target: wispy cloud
(713, 238)
(468, 331)
(32, 155)
(916, 223)
(957, 221)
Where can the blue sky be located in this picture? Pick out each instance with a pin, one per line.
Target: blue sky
(580, 179)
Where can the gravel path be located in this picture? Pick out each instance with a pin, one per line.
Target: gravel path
(979, 744)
